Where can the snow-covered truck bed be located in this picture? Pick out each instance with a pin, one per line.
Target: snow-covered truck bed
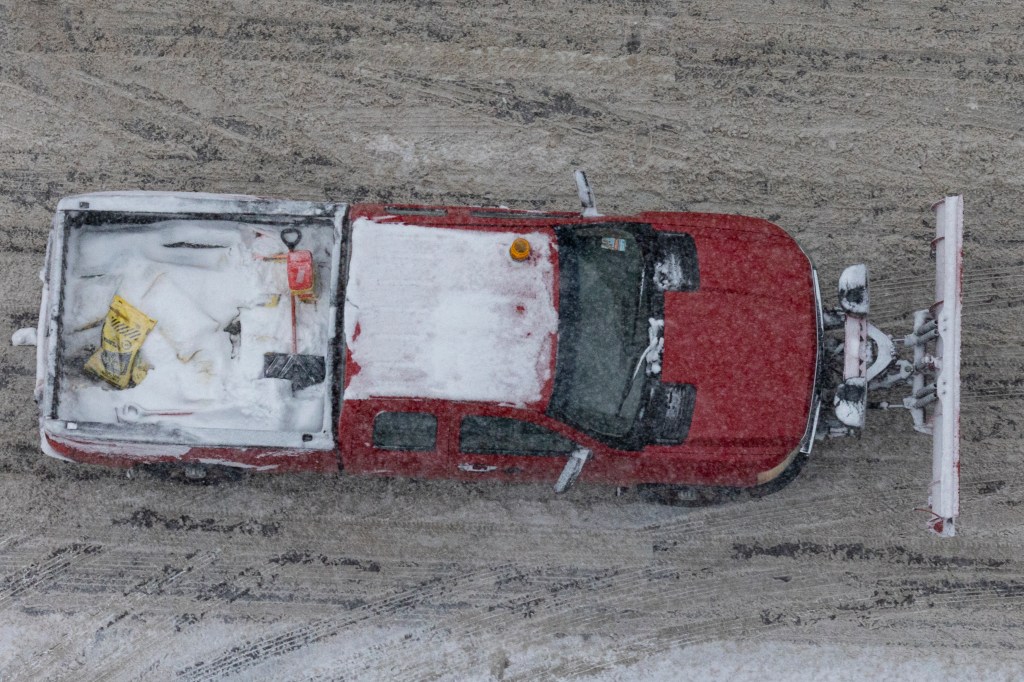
(211, 272)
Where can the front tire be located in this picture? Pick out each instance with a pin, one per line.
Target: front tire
(707, 496)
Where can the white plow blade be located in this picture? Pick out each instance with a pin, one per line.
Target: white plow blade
(944, 497)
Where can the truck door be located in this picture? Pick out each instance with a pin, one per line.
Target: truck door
(394, 438)
(506, 448)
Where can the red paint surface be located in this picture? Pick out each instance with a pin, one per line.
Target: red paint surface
(747, 340)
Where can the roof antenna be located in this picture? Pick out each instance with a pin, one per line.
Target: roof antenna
(586, 194)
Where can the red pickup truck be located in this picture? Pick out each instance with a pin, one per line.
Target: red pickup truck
(685, 353)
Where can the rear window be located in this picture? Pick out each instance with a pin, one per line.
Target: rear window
(405, 431)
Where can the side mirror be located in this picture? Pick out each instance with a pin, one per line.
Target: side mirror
(572, 469)
(587, 201)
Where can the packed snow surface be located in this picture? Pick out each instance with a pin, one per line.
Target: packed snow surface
(447, 313)
(219, 306)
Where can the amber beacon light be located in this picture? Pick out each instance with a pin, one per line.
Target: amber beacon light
(520, 249)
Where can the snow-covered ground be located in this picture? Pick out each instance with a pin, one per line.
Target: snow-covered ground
(839, 120)
(792, 662)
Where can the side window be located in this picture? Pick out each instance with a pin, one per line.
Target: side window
(503, 436)
(405, 431)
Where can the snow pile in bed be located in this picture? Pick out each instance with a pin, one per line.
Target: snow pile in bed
(446, 313)
(194, 278)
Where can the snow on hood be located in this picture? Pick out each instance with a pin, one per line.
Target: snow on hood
(446, 313)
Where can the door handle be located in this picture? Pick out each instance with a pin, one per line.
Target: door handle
(477, 468)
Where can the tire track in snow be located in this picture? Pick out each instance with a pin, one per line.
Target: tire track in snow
(906, 599)
(252, 653)
(577, 614)
(40, 572)
(483, 580)
(137, 597)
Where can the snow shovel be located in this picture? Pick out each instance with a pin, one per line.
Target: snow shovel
(302, 370)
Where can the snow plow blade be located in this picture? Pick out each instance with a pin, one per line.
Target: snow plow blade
(942, 323)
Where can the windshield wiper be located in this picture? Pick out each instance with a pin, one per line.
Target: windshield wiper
(650, 355)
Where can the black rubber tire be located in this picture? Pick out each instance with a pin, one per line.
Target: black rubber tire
(178, 472)
(707, 496)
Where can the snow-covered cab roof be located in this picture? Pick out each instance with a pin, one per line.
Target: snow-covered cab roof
(446, 313)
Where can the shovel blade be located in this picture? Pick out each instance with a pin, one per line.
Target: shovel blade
(302, 370)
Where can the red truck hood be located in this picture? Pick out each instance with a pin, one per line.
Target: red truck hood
(747, 339)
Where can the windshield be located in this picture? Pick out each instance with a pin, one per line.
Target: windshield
(603, 329)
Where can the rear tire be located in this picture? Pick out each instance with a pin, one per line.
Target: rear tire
(194, 473)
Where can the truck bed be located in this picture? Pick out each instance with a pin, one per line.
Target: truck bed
(216, 285)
